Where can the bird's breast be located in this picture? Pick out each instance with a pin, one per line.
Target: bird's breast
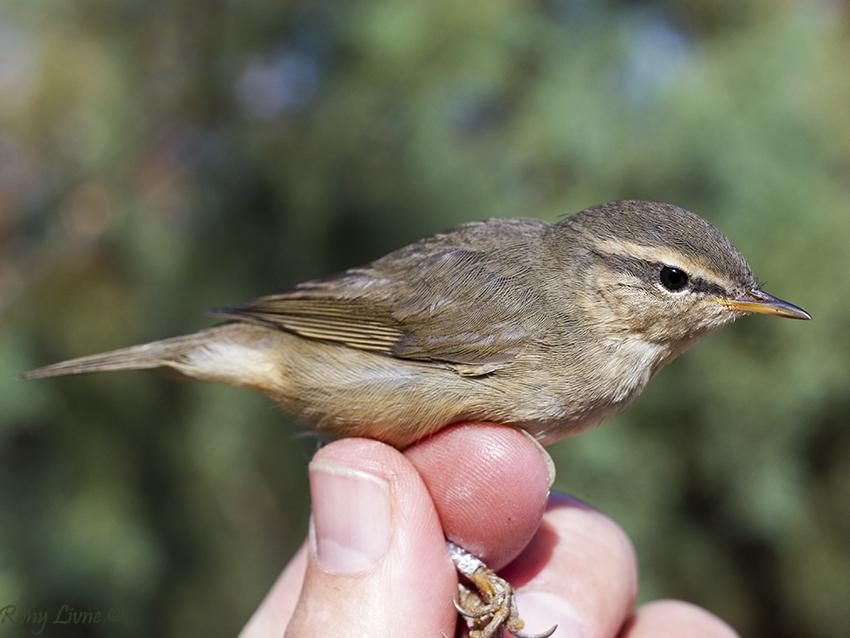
(629, 366)
(593, 389)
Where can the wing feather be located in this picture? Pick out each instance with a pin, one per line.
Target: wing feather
(450, 305)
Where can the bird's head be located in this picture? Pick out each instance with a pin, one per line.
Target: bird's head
(663, 274)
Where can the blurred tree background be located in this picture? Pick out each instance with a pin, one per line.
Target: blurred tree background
(160, 158)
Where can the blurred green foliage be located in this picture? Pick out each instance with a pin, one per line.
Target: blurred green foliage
(159, 158)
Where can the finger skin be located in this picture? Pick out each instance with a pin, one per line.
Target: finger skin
(675, 619)
(579, 572)
(277, 607)
(489, 484)
(409, 588)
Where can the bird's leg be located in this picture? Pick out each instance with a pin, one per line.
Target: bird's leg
(491, 608)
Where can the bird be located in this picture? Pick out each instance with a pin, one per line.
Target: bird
(548, 327)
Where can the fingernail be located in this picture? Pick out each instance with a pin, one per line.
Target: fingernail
(550, 464)
(540, 610)
(351, 517)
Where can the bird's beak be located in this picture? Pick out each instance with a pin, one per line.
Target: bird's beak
(765, 304)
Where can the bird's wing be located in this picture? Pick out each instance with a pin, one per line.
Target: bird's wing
(450, 305)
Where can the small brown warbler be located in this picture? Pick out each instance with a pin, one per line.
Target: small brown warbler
(551, 328)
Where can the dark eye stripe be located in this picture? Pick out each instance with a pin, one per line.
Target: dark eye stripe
(706, 287)
(648, 271)
(631, 265)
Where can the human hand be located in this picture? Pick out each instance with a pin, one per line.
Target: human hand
(376, 564)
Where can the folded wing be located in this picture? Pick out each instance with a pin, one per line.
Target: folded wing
(450, 305)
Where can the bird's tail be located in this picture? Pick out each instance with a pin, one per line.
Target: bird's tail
(157, 354)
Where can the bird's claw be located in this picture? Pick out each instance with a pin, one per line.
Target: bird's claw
(545, 634)
(491, 608)
(469, 613)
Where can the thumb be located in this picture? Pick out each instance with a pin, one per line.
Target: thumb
(377, 562)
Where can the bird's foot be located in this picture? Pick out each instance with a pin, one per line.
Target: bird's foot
(490, 608)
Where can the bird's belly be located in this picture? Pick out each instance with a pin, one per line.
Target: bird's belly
(345, 392)
(552, 431)
(578, 403)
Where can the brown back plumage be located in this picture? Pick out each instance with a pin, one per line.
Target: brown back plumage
(451, 298)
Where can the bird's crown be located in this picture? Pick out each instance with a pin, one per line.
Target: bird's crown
(640, 234)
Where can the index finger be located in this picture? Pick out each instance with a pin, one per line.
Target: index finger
(489, 484)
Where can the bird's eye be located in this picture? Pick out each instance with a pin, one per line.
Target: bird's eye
(673, 279)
